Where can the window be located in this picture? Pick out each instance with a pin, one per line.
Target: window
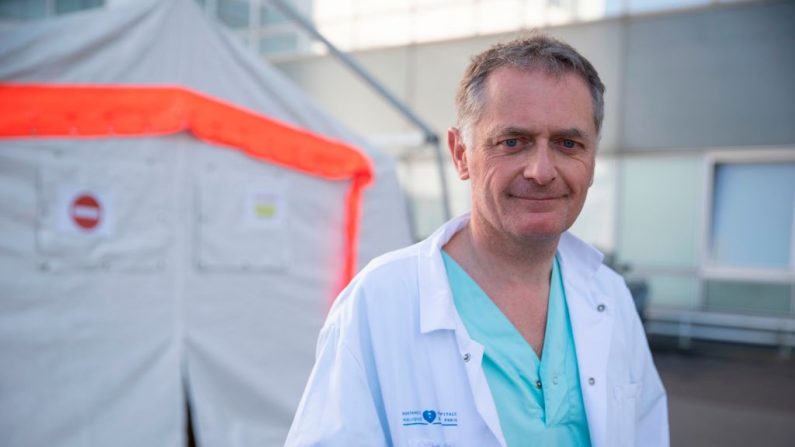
(752, 213)
(233, 13)
(23, 9)
(749, 243)
(39, 9)
(658, 229)
(66, 6)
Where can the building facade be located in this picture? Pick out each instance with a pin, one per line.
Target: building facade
(695, 185)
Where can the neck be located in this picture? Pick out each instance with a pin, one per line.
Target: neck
(483, 249)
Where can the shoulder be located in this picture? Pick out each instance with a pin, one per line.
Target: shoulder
(386, 284)
(396, 269)
(585, 263)
(397, 261)
(608, 282)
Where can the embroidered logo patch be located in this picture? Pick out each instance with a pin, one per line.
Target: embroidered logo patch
(430, 417)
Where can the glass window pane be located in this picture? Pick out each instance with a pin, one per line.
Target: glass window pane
(535, 13)
(560, 12)
(644, 6)
(614, 7)
(23, 9)
(748, 297)
(233, 13)
(597, 220)
(425, 198)
(279, 43)
(593, 10)
(383, 29)
(752, 214)
(499, 16)
(444, 22)
(340, 33)
(66, 6)
(659, 211)
(328, 11)
(269, 15)
(366, 7)
(673, 291)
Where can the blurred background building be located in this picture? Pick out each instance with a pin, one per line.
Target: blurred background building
(695, 185)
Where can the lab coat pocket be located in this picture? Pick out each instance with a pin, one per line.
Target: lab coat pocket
(626, 397)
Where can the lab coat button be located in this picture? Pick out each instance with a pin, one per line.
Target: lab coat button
(600, 307)
(591, 381)
(466, 357)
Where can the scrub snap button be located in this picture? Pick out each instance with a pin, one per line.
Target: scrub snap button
(466, 357)
(538, 384)
(591, 381)
(600, 308)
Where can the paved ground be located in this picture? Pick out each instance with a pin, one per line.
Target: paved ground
(728, 395)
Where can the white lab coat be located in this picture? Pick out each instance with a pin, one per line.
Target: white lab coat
(395, 354)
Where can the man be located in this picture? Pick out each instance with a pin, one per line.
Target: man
(501, 328)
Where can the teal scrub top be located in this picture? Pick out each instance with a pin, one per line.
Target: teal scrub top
(539, 401)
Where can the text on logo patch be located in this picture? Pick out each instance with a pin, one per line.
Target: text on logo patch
(430, 417)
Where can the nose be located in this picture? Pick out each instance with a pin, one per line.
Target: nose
(540, 166)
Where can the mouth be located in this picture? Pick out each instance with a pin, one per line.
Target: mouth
(536, 198)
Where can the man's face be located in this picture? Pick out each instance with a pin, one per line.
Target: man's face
(532, 155)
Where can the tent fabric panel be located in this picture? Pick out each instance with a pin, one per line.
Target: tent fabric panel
(236, 331)
(113, 111)
(250, 332)
(82, 355)
(129, 225)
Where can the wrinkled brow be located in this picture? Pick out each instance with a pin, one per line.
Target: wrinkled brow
(514, 131)
(571, 132)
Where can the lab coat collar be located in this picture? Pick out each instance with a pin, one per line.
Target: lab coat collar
(579, 261)
(437, 309)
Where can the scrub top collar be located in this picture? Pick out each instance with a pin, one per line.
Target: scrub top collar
(437, 308)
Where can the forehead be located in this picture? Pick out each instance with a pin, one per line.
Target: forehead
(520, 97)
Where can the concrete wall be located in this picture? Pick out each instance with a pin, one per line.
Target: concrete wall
(712, 77)
(720, 77)
(680, 86)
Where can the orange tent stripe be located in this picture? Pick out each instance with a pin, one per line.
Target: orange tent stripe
(88, 111)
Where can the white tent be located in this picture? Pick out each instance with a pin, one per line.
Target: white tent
(174, 218)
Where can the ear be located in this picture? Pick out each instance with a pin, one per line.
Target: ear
(458, 152)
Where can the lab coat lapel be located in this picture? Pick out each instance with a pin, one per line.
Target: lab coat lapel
(437, 312)
(592, 324)
(481, 393)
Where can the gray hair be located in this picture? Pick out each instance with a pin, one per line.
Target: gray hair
(534, 52)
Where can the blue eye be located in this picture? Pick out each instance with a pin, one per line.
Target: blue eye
(511, 142)
(569, 144)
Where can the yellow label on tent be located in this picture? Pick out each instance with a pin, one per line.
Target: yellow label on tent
(265, 207)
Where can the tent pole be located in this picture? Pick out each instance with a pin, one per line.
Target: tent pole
(428, 133)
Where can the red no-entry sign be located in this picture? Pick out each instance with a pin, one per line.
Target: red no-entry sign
(86, 211)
